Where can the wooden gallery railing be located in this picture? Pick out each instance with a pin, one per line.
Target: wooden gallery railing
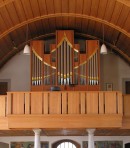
(61, 102)
(61, 109)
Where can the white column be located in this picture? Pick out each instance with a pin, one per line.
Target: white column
(37, 143)
(90, 138)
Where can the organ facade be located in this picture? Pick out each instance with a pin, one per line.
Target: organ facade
(65, 67)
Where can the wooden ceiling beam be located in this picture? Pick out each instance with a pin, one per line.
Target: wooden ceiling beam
(65, 15)
(125, 2)
(6, 2)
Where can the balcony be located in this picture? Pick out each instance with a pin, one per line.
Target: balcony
(61, 109)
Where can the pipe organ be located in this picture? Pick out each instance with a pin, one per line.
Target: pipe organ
(65, 66)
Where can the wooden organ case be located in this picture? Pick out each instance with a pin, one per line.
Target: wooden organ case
(65, 66)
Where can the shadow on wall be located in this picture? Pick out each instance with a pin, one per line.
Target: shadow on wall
(4, 145)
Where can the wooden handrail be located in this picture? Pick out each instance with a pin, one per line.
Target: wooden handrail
(64, 102)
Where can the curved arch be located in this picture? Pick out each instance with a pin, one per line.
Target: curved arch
(125, 2)
(54, 145)
(65, 15)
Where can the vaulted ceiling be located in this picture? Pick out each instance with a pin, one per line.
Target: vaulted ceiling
(44, 17)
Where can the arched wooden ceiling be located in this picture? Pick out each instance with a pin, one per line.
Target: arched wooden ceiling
(44, 17)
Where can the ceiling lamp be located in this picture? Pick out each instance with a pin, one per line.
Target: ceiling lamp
(103, 49)
(26, 50)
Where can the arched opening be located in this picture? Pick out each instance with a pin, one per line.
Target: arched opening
(127, 145)
(66, 144)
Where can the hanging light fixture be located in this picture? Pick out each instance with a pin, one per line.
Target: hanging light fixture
(103, 49)
(26, 50)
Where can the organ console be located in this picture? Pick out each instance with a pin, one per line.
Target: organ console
(65, 66)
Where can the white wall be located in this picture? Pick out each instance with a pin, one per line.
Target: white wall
(79, 139)
(114, 70)
(17, 70)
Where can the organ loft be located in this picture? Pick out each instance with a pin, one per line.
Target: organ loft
(65, 67)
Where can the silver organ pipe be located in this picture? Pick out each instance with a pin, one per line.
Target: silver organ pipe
(64, 44)
(62, 64)
(58, 64)
(33, 70)
(97, 76)
(68, 64)
(94, 69)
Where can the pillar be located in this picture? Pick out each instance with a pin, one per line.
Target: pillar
(90, 138)
(37, 143)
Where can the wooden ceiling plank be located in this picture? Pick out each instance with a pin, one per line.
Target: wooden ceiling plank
(123, 16)
(22, 34)
(6, 17)
(46, 26)
(90, 27)
(107, 33)
(65, 21)
(94, 7)
(57, 6)
(59, 23)
(32, 30)
(98, 30)
(2, 25)
(114, 36)
(9, 41)
(12, 13)
(72, 4)
(102, 8)
(116, 13)
(71, 22)
(42, 7)
(16, 37)
(52, 24)
(39, 27)
(35, 8)
(84, 25)
(65, 6)
(78, 24)
(127, 23)
(50, 6)
(26, 6)
(87, 6)
(119, 43)
(19, 10)
(3, 49)
(110, 8)
(79, 6)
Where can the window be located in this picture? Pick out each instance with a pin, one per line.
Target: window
(65, 144)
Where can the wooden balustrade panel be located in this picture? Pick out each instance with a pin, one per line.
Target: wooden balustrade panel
(9, 100)
(64, 103)
(82, 102)
(45, 103)
(73, 102)
(27, 103)
(2, 106)
(120, 103)
(55, 103)
(92, 102)
(36, 103)
(101, 103)
(110, 103)
(18, 103)
(126, 104)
